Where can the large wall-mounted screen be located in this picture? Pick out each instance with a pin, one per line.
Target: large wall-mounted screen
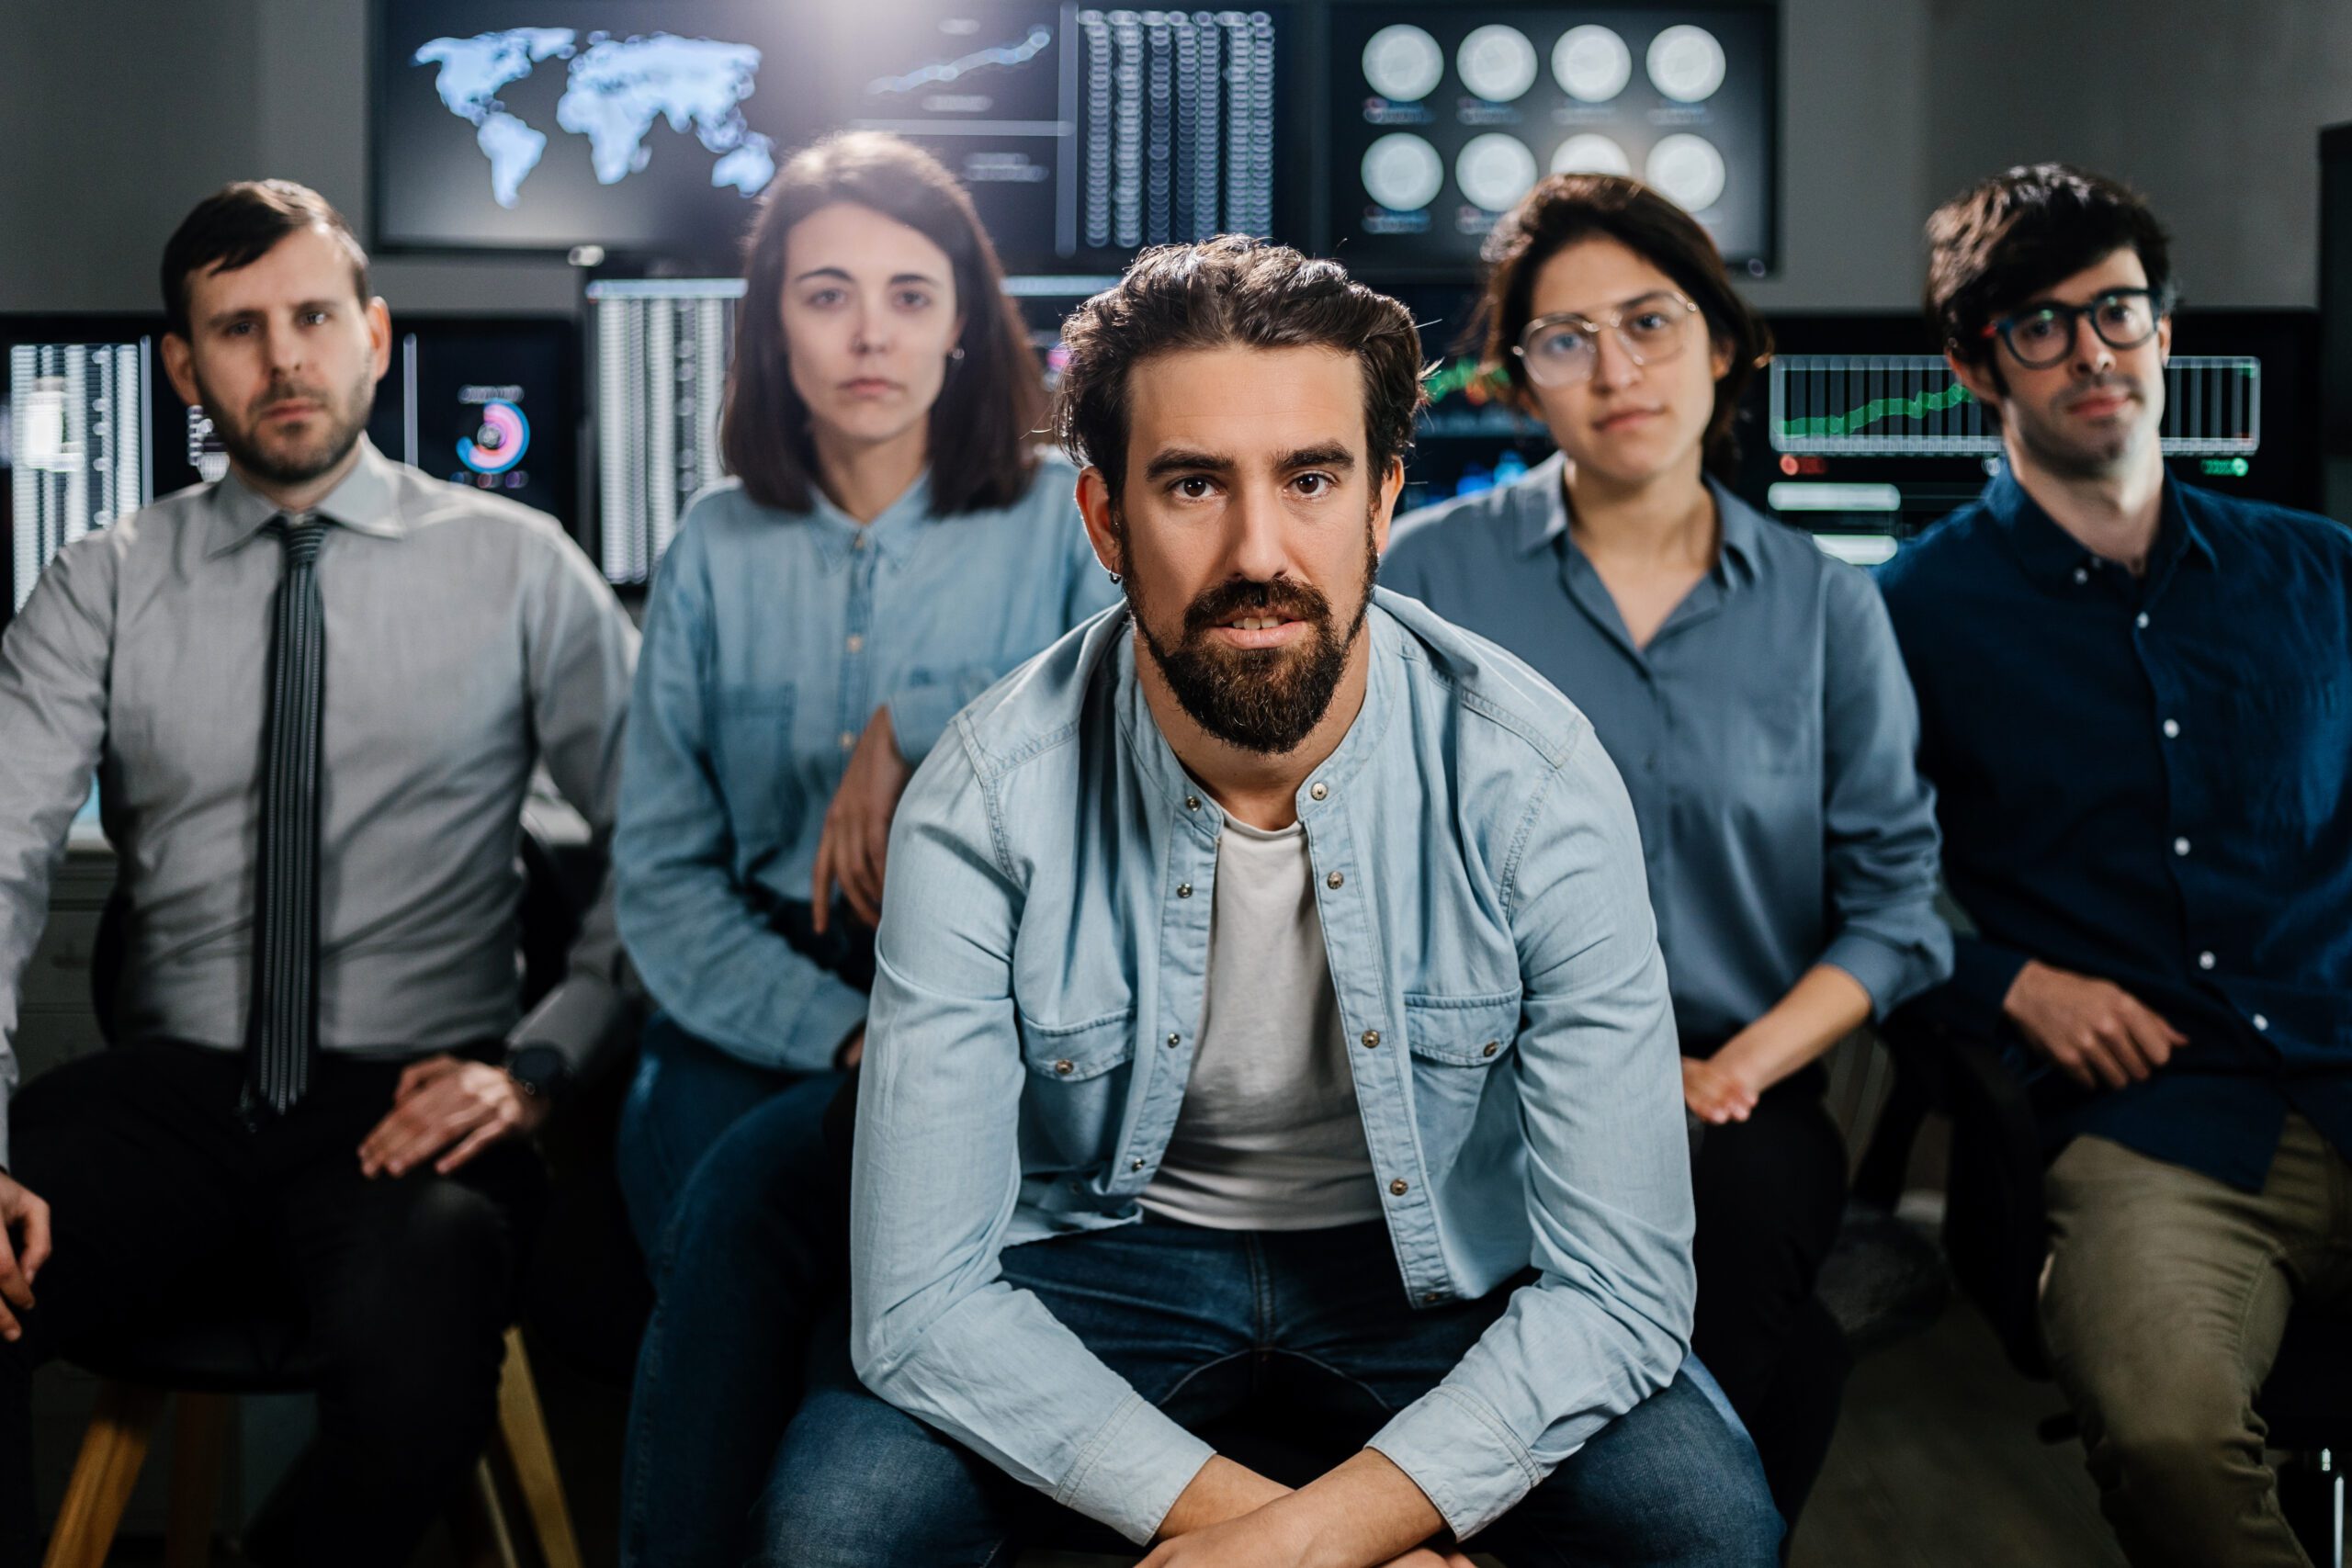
(74, 453)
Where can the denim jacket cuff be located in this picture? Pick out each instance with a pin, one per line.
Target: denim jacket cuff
(1456, 1448)
(1134, 1470)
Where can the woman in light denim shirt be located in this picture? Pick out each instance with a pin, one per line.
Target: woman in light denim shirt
(1749, 691)
(891, 543)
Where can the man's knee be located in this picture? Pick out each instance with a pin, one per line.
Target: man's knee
(860, 1484)
(2181, 1453)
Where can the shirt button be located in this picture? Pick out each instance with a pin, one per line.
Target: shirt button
(1430, 1296)
(1400, 1186)
(1065, 1067)
(1336, 880)
(2180, 846)
(2140, 620)
(1183, 890)
(2205, 959)
(1135, 1165)
(2082, 574)
(1320, 791)
(1490, 1047)
(2260, 1022)
(849, 741)
(2172, 728)
(1192, 803)
(1174, 1041)
(858, 543)
(855, 642)
(1371, 1039)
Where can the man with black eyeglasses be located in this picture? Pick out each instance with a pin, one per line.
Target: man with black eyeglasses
(2136, 703)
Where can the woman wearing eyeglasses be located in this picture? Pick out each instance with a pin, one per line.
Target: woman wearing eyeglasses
(1749, 691)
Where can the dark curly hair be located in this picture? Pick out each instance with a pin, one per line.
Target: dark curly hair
(1231, 290)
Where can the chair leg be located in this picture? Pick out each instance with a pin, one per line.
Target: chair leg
(112, 1451)
(477, 1526)
(523, 1444)
(199, 1432)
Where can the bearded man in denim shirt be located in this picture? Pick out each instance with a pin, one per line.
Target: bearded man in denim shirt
(1268, 1006)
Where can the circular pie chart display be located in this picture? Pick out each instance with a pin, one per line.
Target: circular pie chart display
(1497, 63)
(1495, 169)
(1589, 152)
(1403, 172)
(1403, 63)
(1686, 63)
(1592, 63)
(501, 441)
(1688, 170)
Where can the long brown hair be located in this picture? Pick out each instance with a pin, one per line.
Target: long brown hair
(994, 398)
(1566, 208)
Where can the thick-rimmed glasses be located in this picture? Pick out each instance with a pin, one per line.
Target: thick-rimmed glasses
(2041, 336)
(1561, 350)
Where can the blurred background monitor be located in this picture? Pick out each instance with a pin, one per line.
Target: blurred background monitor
(1442, 116)
(645, 130)
(75, 416)
(658, 351)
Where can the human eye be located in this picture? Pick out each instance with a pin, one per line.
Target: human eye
(914, 300)
(821, 299)
(2119, 309)
(1192, 486)
(1314, 484)
(2036, 326)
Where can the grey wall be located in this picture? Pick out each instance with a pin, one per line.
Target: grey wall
(116, 115)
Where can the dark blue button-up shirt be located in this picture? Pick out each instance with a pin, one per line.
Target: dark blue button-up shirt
(2144, 779)
(1765, 733)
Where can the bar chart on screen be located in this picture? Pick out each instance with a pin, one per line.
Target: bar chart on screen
(1905, 405)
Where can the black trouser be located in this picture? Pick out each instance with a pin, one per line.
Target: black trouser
(1770, 1191)
(165, 1200)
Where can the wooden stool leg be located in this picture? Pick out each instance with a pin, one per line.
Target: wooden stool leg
(477, 1526)
(112, 1451)
(522, 1437)
(199, 1432)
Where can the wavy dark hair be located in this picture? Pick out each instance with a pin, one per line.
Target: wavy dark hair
(1566, 208)
(993, 402)
(2003, 240)
(1231, 290)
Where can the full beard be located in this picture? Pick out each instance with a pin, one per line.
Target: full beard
(1262, 700)
(283, 464)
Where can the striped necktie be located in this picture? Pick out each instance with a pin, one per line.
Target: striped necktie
(284, 1027)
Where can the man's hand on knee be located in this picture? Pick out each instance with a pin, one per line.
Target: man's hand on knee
(445, 1103)
(2097, 1032)
(24, 1247)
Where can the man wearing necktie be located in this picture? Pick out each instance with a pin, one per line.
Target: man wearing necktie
(312, 694)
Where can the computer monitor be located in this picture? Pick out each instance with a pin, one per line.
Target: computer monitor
(657, 351)
(645, 129)
(1442, 116)
(75, 453)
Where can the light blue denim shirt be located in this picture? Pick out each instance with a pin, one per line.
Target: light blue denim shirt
(1768, 735)
(1042, 967)
(770, 640)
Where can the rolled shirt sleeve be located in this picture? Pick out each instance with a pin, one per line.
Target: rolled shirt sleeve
(934, 1328)
(1878, 813)
(1607, 1321)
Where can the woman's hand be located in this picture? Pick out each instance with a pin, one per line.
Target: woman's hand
(856, 835)
(1717, 1091)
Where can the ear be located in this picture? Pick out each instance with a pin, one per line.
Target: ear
(1392, 485)
(1094, 505)
(2163, 340)
(1719, 356)
(179, 364)
(379, 335)
(1977, 378)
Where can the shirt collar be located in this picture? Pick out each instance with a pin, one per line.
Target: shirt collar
(1542, 508)
(364, 503)
(2051, 556)
(892, 531)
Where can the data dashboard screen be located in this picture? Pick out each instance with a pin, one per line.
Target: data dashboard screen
(659, 350)
(1444, 116)
(73, 435)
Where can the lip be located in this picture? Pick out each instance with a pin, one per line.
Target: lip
(870, 387)
(298, 409)
(1258, 637)
(1626, 419)
(2099, 404)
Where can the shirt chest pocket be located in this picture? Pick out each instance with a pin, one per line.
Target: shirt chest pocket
(752, 756)
(1078, 1076)
(2285, 744)
(1460, 1048)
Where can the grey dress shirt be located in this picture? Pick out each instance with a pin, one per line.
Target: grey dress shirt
(1767, 734)
(468, 640)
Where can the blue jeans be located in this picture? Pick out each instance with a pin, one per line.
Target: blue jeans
(739, 1209)
(1311, 1324)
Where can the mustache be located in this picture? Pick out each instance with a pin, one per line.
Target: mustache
(287, 392)
(1291, 600)
(2100, 386)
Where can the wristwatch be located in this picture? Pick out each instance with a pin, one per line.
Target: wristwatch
(539, 1071)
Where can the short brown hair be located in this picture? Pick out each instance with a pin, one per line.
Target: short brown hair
(994, 399)
(1566, 208)
(1231, 290)
(2003, 240)
(238, 224)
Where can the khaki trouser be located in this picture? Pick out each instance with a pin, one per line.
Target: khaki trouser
(2163, 1303)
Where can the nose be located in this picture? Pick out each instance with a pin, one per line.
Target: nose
(1255, 547)
(869, 330)
(2089, 354)
(1613, 364)
(284, 347)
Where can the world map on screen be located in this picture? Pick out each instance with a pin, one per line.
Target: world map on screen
(615, 91)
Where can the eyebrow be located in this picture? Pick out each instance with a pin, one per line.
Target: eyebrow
(1178, 459)
(223, 318)
(1621, 305)
(842, 273)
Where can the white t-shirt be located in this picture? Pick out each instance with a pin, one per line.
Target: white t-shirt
(1268, 1139)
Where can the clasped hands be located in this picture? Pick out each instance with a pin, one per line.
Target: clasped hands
(1230, 1517)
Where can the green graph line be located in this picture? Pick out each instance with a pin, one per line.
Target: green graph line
(1877, 408)
(1460, 376)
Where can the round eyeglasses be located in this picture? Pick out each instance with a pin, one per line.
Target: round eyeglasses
(2043, 335)
(1561, 350)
